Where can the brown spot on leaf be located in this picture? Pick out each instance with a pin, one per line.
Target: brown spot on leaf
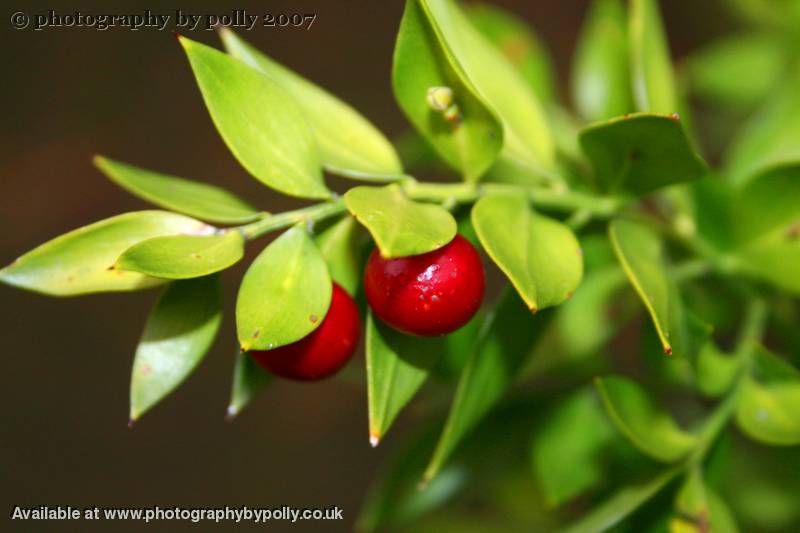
(313, 318)
(147, 370)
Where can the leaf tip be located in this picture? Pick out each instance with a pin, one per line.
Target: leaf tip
(131, 421)
(374, 438)
(231, 413)
(668, 349)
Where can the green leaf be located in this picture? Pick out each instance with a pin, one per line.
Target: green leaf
(249, 379)
(640, 153)
(183, 256)
(769, 401)
(342, 247)
(179, 331)
(400, 226)
(767, 220)
(769, 204)
(260, 122)
(716, 371)
(651, 66)
(622, 503)
(540, 255)
(199, 200)
(526, 135)
(703, 505)
(505, 341)
(601, 81)
(520, 45)
(648, 427)
(769, 137)
(715, 71)
(471, 141)
(640, 254)
(567, 447)
(348, 143)
(285, 293)
(397, 366)
(79, 262)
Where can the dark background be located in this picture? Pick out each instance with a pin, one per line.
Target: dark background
(68, 93)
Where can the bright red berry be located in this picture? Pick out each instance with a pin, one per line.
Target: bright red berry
(323, 351)
(428, 294)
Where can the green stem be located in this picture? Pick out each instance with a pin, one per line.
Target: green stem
(548, 198)
(313, 213)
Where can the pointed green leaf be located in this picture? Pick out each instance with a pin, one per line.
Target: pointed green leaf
(473, 136)
(196, 199)
(601, 82)
(397, 366)
(520, 45)
(342, 246)
(540, 255)
(285, 293)
(400, 226)
(79, 262)
(349, 144)
(526, 135)
(622, 503)
(769, 401)
(716, 371)
(507, 337)
(249, 379)
(260, 122)
(651, 65)
(769, 137)
(183, 256)
(567, 447)
(640, 153)
(651, 429)
(179, 331)
(640, 254)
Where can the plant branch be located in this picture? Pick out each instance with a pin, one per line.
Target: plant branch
(313, 213)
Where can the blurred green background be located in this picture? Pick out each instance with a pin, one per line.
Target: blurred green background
(69, 93)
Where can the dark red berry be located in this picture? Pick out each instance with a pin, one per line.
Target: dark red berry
(323, 351)
(428, 294)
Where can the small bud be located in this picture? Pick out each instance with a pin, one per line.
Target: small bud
(440, 98)
(453, 114)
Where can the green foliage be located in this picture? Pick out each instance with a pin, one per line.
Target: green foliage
(284, 294)
(650, 429)
(195, 199)
(260, 122)
(400, 226)
(183, 256)
(179, 331)
(81, 261)
(348, 143)
(712, 257)
(640, 153)
(397, 366)
(249, 379)
(601, 87)
(472, 138)
(540, 256)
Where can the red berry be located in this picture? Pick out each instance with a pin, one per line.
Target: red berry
(428, 294)
(323, 351)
